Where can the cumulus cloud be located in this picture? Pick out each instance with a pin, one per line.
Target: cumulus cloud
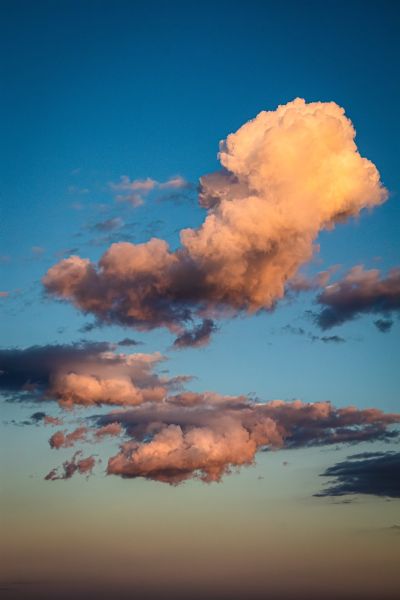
(360, 292)
(377, 474)
(207, 435)
(83, 374)
(286, 175)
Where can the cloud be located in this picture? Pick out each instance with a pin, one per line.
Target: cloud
(377, 474)
(48, 420)
(109, 225)
(360, 292)
(75, 189)
(167, 435)
(111, 429)
(37, 418)
(70, 467)
(326, 339)
(62, 440)
(384, 325)
(301, 283)
(207, 435)
(137, 185)
(286, 175)
(129, 342)
(174, 183)
(37, 251)
(197, 337)
(83, 374)
(132, 191)
(134, 199)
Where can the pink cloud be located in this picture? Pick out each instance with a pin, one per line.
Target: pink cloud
(286, 175)
(84, 466)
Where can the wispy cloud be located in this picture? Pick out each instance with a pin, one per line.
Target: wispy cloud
(312, 337)
(109, 225)
(133, 191)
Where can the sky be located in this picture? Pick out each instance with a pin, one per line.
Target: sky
(199, 299)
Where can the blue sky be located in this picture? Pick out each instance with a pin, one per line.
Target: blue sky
(93, 91)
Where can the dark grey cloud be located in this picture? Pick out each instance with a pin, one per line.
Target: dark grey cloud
(129, 342)
(360, 292)
(377, 474)
(384, 325)
(108, 225)
(198, 336)
(30, 369)
(88, 327)
(331, 339)
(326, 339)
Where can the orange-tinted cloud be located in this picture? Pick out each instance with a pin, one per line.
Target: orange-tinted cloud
(206, 435)
(70, 467)
(84, 374)
(61, 440)
(286, 175)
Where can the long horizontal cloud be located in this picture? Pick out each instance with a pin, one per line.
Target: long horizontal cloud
(360, 292)
(369, 473)
(85, 374)
(286, 175)
(198, 435)
(206, 435)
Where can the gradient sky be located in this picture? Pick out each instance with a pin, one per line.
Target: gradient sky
(93, 91)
